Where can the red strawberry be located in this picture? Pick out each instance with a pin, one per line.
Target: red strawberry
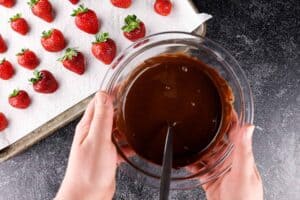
(74, 1)
(86, 20)
(42, 9)
(6, 70)
(44, 82)
(19, 24)
(3, 122)
(7, 3)
(104, 48)
(28, 59)
(163, 7)
(3, 46)
(121, 3)
(134, 28)
(74, 61)
(53, 40)
(19, 99)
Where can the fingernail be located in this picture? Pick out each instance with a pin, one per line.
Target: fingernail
(101, 98)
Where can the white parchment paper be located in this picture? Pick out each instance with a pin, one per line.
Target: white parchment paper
(73, 88)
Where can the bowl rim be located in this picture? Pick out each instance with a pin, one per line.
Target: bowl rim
(113, 73)
(238, 70)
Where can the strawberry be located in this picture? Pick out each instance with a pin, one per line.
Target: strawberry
(134, 28)
(104, 48)
(3, 46)
(86, 20)
(42, 9)
(53, 40)
(121, 3)
(6, 70)
(44, 82)
(19, 99)
(163, 7)
(74, 61)
(3, 122)
(7, 3)
(19, 24)
(28, 59)
(74, 1)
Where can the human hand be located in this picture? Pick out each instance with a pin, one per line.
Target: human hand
(243, 181)
(92, 164)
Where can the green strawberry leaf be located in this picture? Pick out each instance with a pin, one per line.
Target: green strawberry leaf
(79, 10)
(15, 17)
(101, 37)
(14, 93)
(131, 23)
(22, 52)
(37, 76)
(2, 61)
(32, 3)
(46, 34)
(69, 54)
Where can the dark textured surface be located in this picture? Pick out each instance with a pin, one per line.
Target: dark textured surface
(264, 38)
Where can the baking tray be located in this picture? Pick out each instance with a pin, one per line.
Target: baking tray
(61, 120)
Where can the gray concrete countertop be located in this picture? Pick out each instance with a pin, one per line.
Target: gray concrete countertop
(264, 37)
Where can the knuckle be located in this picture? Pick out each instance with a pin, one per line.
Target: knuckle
(104, 112)
(81, 127)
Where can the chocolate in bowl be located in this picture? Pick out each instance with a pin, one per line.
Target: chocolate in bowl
(178, 89)
(206, 163)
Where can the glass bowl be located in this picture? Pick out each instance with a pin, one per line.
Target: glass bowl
(211, 165)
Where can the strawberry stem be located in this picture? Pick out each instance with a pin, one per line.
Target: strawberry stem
(2, 61)
(15, 17)
(14, 93)
(37, 76)
(46, 34)
(32, 3)
(79, 10)
(101, 37)
(69, 54)
(131, 23)
(22, 52)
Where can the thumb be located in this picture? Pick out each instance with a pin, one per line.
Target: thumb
(243, 159)
(101, 125)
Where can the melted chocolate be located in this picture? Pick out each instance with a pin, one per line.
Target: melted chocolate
(172, 89)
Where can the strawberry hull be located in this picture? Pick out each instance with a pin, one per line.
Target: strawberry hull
(104, 48)
(20, 26)
(42, 9)
(76, 64)
(86, 20)
(163, 7)
(136, 34)
(44, 82)
(53, 40)
(6, 70)
(19, 99)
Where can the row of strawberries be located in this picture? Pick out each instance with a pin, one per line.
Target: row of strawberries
(104, 48)
(43, 8)
(43, 82)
